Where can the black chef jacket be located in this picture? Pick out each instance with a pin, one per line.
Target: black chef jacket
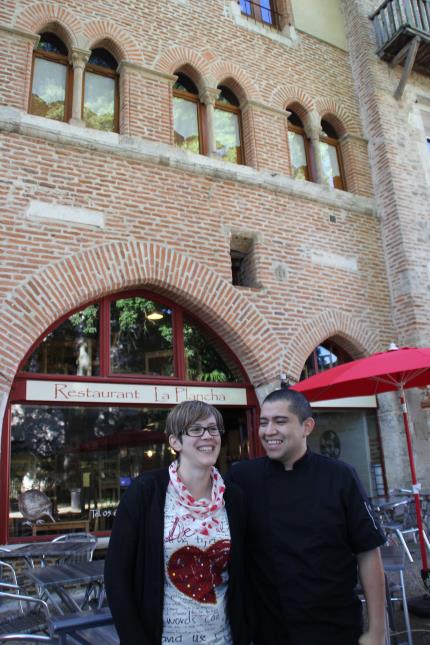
(306, 526)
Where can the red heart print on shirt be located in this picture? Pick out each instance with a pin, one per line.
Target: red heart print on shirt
(196, 572)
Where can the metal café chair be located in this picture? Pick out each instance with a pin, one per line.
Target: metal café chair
(393, 558)
(83, 555)
(24, 618)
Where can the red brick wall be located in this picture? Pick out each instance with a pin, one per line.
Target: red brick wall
(167, 228)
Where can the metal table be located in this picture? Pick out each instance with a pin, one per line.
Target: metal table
(52, 581)
(43, 550)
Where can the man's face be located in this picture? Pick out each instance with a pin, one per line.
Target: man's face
(281, 433)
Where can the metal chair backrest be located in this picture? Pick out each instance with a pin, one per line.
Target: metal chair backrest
(85, 554)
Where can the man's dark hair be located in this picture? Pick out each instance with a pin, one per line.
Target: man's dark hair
(297, 402)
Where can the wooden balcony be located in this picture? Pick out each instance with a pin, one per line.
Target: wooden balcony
(402, 30)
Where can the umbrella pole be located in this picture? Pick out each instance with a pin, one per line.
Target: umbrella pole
(414, 485)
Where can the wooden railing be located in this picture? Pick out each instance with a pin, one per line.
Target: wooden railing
(395, 15)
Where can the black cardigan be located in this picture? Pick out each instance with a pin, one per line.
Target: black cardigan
(134, 570)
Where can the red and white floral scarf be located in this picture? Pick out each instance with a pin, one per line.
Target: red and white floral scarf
(200, 508)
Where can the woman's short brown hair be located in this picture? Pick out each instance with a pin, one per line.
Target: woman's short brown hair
(187, 413)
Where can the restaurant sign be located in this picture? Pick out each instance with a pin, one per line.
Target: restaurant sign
(74, 392)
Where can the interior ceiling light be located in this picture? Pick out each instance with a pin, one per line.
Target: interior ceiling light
(156, 315)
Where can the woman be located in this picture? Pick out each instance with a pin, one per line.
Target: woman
(174, 565)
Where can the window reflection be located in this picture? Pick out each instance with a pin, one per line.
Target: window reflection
(141, 337)
(330, 156)
(99, 102)
(49, 86)
(81, 459)
(205, 358)
(71, 348)
(186, 108)
(227, 127)
(186, 125)
(99, 105)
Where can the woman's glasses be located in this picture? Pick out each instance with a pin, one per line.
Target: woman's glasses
(198, 431)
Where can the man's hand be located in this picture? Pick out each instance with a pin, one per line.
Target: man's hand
(371, 639)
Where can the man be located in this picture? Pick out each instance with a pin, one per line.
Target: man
(310, 526)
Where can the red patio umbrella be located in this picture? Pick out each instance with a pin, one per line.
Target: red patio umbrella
(391, 371)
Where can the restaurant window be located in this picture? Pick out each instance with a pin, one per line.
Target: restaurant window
(51, 79)
(227, 126)
(299, 148)
(72, 456)
(141, 337)
(100, 97)
(263, 11)
(187, 119)
(331, 157)
(71, 348)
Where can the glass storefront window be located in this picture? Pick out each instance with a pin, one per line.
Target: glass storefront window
(71, 348)
(141, 337)
(81, 459)
(205, 359)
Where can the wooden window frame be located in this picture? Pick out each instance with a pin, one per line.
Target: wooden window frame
(301, 132)
(102, 71)
(336, 144)
(194, 98)
(236, 110)
(68, 96)
(256, 13)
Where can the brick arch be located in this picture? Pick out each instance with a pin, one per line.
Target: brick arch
(177, 57)
(93, 273)
(337, 116)
(237, 80)
(41, 15)
(353, 336)
(103, 33)
(282, 97)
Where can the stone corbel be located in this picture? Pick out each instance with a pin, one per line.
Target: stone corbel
(79, 58)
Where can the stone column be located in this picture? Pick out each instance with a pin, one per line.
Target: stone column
(313, 132)
(208, 96)
(80, 58)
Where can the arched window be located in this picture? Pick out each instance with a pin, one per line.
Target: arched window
(227, 126)
(324, 357)
(187, 117)
(133, 335)
(100, 96)
(299, 148)
(51, 79)
(331, 157)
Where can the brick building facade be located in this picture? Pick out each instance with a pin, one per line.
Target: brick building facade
(89, 213)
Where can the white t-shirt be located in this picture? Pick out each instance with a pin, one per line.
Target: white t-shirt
(195, 582)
